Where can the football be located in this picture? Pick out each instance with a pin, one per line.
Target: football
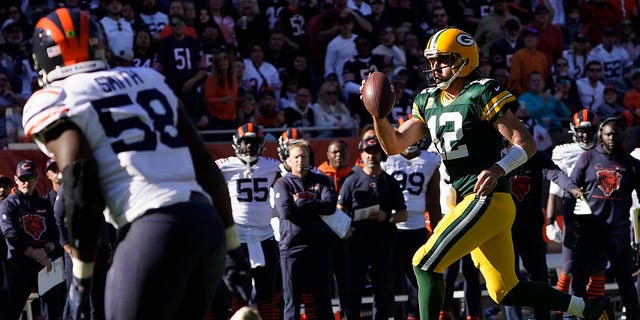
(378, 94)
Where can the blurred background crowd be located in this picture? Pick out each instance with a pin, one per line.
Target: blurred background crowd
(299, 63)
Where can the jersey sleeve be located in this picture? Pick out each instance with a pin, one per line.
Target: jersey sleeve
(494, 99)
(421, 102)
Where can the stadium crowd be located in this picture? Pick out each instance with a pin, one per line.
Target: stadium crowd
(241, 66)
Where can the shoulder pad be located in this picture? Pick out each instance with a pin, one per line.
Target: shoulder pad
(44, 107)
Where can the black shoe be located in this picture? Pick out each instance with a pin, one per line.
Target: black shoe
(599, 309)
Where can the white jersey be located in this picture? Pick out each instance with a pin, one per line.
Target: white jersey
(129, 117)
(634, 196)
(614, 62)
(565, 157)
(413, 176)
(249, 191)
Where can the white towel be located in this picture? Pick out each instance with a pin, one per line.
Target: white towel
(256, 255)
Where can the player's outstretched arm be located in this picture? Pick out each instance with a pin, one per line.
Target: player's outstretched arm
(394, 141)
(208, 174)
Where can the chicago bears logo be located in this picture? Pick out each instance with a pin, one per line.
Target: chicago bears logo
(520, 186)
(608, 181)
(34, 225)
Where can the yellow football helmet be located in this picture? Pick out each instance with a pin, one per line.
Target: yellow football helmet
(461, 48)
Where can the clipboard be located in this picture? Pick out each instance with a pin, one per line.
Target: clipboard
(339, 222)
(363, 213)
(50, 279)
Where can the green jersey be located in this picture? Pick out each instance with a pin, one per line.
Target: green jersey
(463, 132)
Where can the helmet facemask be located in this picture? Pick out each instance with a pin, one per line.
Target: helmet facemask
(451, 60)
(248, 149)
(585, 136)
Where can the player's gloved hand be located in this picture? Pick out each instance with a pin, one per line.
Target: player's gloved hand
(553, 232)
(79, 293)
(237, 274)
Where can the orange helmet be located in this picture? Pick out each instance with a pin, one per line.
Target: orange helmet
(65, 42)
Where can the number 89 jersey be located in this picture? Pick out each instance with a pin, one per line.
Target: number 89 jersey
(249, 189)
(129, 117)
(413, 175)
(462, 131)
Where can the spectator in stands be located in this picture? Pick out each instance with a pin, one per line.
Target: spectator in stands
(14, 57)
(360, 6)
(190, 14)
(300, 71)
(51, 171)
(251, 26)
(394, 56)
(292, 20)
(129, 15)
(221, 93)
(341, 48)
(11, 104)
(279, 53)
(205, 17)
(525, 61)
(401, 110)
(378, 18)
(212, 42)
(224, 20)
(246, 108)
(491, 27)
(268, 114)
(176, 8)
(329, 111)
(300, 114)
(559, 69)
(551, 43)
(258, 73)
(152, 16)
(502, 50)
(288, 91)
(543, 106)
(629, 39)
(576, 56)
(631, 100)
(599, 15)
(415, 56)
(501, 75)
(611, 107)
(439, 20)
(591, 88)
(16, 16)
(144, 48)
(183, 75)
(614, 59)
(568, 93)
(119, 33)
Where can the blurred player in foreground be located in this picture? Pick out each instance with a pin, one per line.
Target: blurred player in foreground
(124, 144)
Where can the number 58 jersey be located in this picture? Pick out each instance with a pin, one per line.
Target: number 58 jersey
(129, 118)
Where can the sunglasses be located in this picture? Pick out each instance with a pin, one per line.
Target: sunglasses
(177, 23)
(595, 70)
(331, 92)
(28, 178)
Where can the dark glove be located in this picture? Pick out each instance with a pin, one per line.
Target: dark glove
(78, 299)
(237, 274)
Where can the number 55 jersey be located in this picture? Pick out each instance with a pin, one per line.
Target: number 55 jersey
(129, 117)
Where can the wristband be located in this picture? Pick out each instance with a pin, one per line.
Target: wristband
(515, 157)
(231, 235)
(81, 269)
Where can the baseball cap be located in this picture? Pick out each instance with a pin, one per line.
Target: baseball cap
(530, 31)
(8, 23)
(26, 168)
(369, 143)
(50, 162)
(610, 87)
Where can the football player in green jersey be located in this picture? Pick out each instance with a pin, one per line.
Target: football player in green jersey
(467, 118)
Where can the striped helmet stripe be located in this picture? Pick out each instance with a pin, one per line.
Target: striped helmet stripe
(455, 231)
(434, 40)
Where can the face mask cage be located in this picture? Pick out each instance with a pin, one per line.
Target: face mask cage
(441, 61)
